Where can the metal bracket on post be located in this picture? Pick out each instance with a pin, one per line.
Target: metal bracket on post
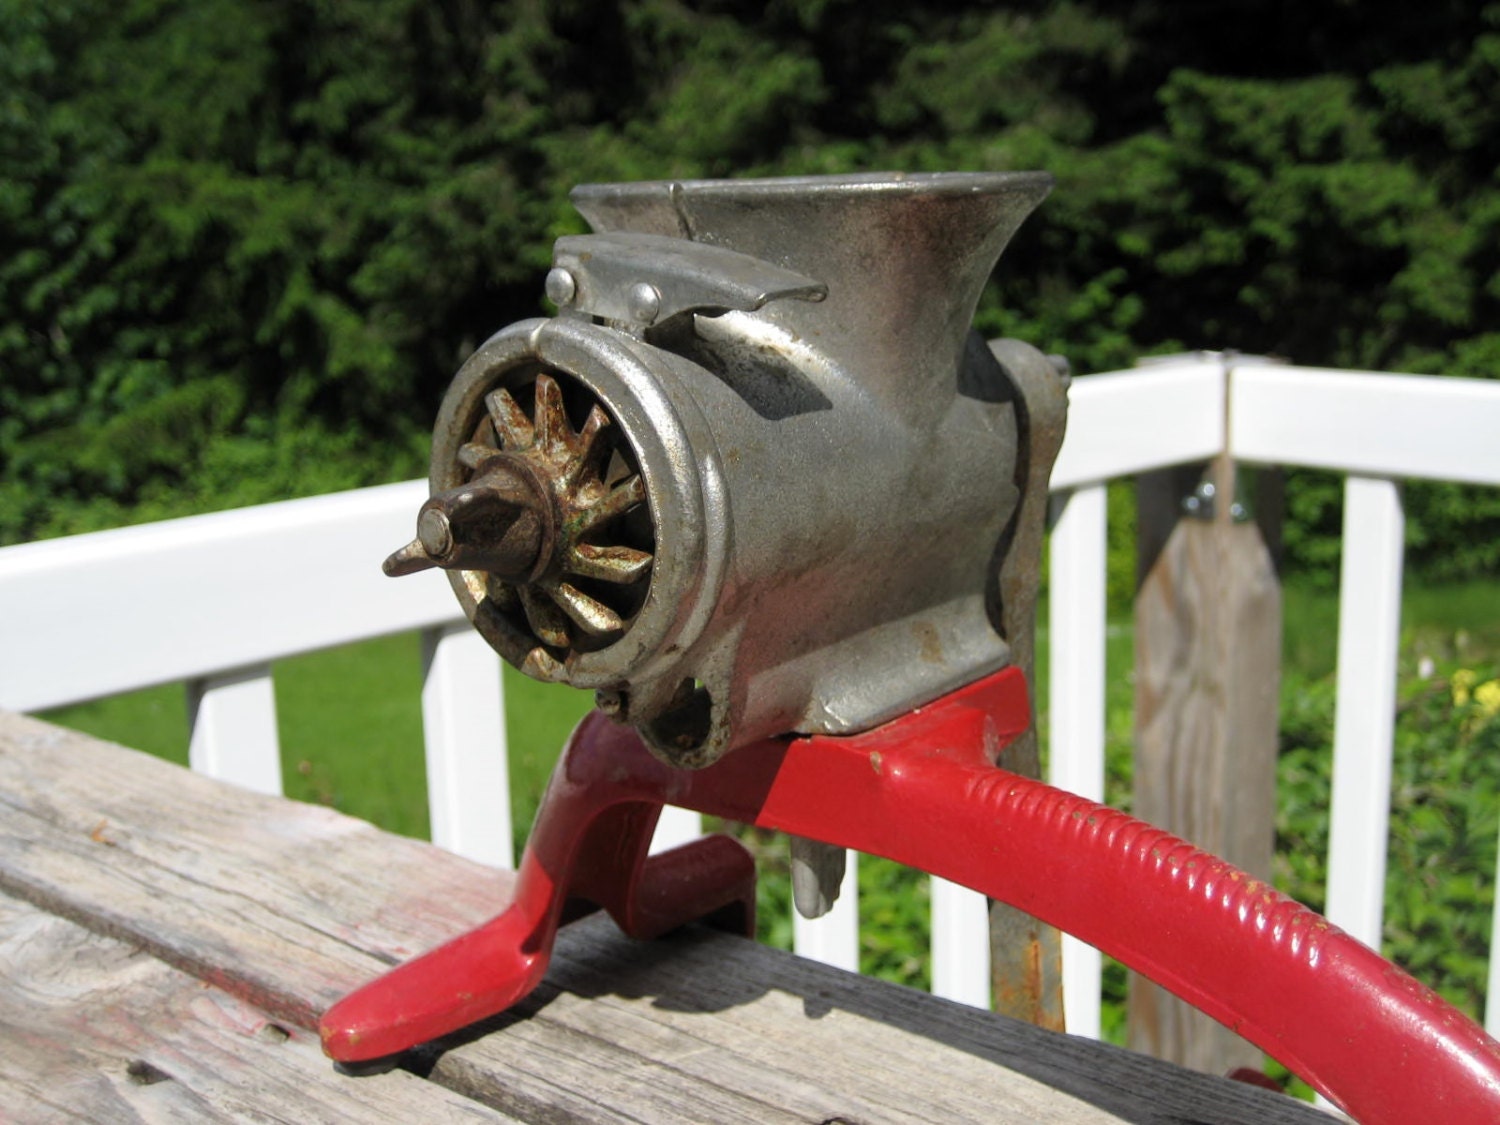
(1202, 502)
(1224, 474)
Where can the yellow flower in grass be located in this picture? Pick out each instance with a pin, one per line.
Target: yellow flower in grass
(1462, 684)
(1487, 698)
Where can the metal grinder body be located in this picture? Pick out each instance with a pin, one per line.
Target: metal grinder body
(759, 476)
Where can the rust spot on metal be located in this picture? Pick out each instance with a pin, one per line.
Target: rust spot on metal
(1028, 968)
(930, 644)
(1034, 971)
(876, 761)
(1025, 999)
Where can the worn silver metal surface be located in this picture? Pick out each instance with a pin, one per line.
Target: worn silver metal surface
(817, 875)
(776, 474)
(1026, 954)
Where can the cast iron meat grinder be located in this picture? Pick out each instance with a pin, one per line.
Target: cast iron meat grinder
(761, 487)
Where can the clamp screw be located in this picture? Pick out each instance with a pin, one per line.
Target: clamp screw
(645, 302)
(561, 287)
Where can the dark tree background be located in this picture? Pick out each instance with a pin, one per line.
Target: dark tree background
(245, 243)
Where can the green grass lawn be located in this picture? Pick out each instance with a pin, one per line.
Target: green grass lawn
(350, 721)
(351, 732)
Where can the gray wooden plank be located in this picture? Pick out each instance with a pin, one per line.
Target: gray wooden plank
(92, 1029)
(827, 1044)
(294, 905)
(298, 902)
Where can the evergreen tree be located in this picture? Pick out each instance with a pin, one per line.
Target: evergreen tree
(244, 243)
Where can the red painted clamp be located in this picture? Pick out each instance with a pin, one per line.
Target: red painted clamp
(924, 790)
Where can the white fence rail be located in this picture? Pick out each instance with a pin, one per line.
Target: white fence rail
(211, 600)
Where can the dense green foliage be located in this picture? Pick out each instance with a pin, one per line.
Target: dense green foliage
(1445, 815)
(244, 243)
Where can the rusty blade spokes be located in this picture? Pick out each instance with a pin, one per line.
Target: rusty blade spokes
(512, 427)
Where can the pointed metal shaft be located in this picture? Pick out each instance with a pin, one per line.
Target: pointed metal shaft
(501, 522)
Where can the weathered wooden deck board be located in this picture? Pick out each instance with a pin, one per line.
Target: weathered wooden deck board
(305, 902)
(93, 1028)
(284, 907)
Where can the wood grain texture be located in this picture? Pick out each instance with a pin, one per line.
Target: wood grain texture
(1207, 677)
(94, 1029)
(266, 899)
(299, 902)
(819, 1044)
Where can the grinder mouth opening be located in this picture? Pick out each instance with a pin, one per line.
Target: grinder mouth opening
(568, 506)
(588, 543)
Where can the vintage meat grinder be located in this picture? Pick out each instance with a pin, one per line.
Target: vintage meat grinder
(761, 487)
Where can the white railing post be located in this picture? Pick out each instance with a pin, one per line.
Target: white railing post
(463, 722)
(675, 828)
(960, 944)
(232, 720)
(1365, 709)
(1075, 703)
(834, 938)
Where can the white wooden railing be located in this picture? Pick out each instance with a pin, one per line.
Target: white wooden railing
(211, 600)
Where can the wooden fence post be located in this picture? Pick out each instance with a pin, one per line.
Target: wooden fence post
(1207, 679)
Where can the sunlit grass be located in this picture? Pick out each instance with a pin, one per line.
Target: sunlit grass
(350, 724)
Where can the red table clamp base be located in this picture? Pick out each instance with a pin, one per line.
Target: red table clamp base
(923, 790)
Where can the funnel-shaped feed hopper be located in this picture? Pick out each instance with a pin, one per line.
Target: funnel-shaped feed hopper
(904, 257)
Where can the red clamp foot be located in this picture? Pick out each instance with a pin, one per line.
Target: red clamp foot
(580, 856)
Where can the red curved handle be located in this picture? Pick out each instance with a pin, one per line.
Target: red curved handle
(923, 790)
